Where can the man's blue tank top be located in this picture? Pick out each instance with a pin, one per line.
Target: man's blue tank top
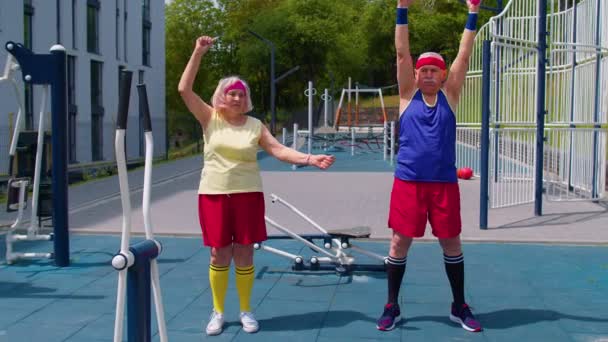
(427, 141)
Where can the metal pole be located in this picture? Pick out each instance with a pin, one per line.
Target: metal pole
(485, 135)
(352, 141)
(273, 110)
(325, 106)
(385, 140)
(572, 90)
(540, 106)
(295, 142)
(310, 109)
(392, 141)
(596, 109)
(348, 106)
(284, 135)
(59, 110)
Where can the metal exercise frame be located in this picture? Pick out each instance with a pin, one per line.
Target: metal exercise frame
(336, 250)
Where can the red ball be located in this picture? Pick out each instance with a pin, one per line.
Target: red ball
(464, 173)
(475, 2)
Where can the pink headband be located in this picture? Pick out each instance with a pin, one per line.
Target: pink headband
(430, 60)
(236, 85)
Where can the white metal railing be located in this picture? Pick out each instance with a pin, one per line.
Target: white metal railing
(576, 101)
(573, 167)
(511, 169)
(468, 143)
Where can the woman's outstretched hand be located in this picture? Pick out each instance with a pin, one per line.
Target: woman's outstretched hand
(321, 161)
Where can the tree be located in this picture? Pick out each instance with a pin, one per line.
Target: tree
(186, 20)
(329, 40)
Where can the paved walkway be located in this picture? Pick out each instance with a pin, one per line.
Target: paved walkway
(337, 198)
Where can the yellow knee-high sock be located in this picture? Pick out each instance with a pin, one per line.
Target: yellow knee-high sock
(244, 284)
(218, 279)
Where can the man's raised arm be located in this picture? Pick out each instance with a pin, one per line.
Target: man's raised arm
(458, 70)
(405, 67)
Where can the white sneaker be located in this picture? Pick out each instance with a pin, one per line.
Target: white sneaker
(250, 324)
(216, 323)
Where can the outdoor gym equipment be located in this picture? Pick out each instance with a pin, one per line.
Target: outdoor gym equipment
(136, 264)
(50, 69)
(336, 246)
(18, 186)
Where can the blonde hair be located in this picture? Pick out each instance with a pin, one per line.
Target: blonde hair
(219, 97)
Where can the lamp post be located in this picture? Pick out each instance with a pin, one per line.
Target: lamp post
(273, 116)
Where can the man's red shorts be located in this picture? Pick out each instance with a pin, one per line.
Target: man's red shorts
(412, 203)
(232, 218)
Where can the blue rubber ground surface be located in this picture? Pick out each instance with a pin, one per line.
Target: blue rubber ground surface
(519, 292)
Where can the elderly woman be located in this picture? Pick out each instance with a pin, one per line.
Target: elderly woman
(230, 201)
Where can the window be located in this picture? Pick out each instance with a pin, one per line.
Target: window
(146, 10)
(142, 138)
(96, 83)
(146, 28)
(146, 46)
(28, 17)
(117, 35)
(97, 137)
(74, 32)
(97, 110)
(124, 35)
(72, 109)
(120, 69)
(72, 80)
(93, 26)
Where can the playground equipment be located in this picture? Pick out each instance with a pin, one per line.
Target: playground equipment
(136, 264)
(357, 118)
(18, 186)
(370, 138)
(336, 246)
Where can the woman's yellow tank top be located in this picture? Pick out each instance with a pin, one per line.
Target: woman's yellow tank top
(230, 157)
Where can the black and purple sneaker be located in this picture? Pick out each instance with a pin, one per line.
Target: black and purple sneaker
(463, 316)
(389, 318)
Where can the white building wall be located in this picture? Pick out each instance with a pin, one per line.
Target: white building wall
(45, 35)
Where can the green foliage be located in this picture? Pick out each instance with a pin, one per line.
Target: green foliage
(186, 20)
(329, 40)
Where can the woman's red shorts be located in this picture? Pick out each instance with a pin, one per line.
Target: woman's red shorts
(232, 218)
